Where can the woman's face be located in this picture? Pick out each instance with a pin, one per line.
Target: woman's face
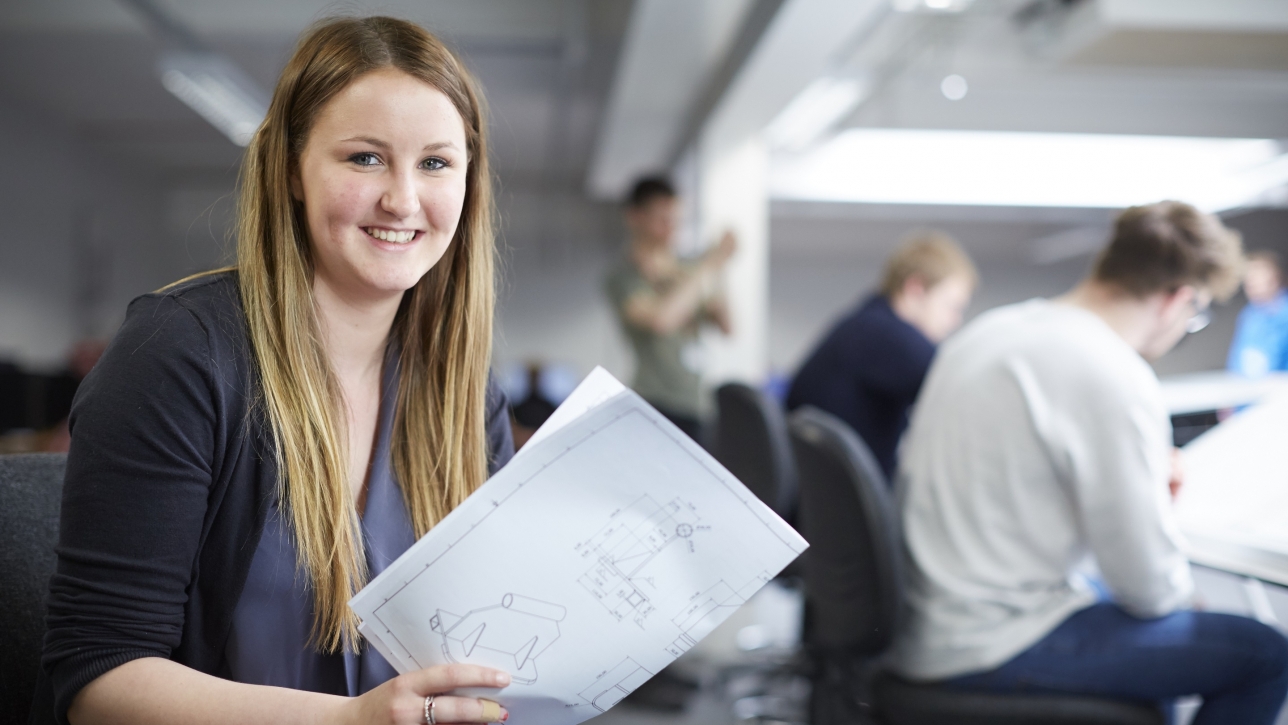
(382, 179)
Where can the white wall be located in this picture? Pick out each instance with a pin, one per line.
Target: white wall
(556, 249)
(199, 223)
(82, 237)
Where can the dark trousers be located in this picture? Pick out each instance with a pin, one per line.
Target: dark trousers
(1238, 665)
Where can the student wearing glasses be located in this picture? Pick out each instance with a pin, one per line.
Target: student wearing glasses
(1041, 439)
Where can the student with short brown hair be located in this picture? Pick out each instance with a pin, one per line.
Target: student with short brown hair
(1041, 437)
(663, 301)
(869, 367)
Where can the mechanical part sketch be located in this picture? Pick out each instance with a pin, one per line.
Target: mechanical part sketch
(620, 577)
(508, 636)
(609, 688)
(571, 566)
(708, 609)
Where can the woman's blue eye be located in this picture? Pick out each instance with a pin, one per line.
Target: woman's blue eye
(364, 159)
(434, 163)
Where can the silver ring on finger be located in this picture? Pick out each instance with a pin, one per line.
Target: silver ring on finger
(429, 711)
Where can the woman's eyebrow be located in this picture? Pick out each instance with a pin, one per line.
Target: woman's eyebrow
(441, 145)
(385, 144)
(368, 140)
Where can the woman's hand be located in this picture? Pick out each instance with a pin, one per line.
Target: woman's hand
(401, 701)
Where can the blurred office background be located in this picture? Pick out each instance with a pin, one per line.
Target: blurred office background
(820, 131)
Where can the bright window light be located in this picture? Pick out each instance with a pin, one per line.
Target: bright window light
(898, 166)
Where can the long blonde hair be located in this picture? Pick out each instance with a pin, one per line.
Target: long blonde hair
(443, 326)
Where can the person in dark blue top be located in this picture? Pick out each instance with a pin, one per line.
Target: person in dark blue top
(868, 369)
(1260, 343)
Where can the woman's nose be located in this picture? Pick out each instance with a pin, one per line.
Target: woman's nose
(400, 198)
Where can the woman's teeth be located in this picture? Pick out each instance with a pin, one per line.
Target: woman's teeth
(391, 236)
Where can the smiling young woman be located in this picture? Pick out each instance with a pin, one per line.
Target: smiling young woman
(259, 441)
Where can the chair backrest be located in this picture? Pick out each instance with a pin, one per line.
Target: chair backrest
(31, 492)
(751, 441)
(853, 568)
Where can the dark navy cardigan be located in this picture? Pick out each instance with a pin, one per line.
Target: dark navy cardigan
(170, 478)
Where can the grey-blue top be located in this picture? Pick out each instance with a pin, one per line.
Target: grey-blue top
(269, 643)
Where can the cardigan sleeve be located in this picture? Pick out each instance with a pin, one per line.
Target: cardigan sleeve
(138, 480)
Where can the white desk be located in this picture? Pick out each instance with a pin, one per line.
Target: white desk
(1233, 508)
(1218, 390)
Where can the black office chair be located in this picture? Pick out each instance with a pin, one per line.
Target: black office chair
(854, 596)
(751, 441)
(31, 491)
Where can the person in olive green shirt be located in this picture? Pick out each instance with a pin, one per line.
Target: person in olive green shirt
(663, 300)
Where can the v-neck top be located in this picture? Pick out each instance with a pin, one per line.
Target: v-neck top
(171, 479)
(272, 623)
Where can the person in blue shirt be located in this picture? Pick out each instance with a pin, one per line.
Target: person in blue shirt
(1260, 341)
(869, 367)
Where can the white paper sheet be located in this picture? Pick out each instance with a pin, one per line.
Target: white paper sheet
(1232, 505)
(1217, 390)
(596, 388)
(585, 566)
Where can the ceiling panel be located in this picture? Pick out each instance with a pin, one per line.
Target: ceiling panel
(89, 66)
(505, 18)
(1167, 86)
(68, 15)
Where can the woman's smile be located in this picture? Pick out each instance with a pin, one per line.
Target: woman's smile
(382, 178)
(393, 236)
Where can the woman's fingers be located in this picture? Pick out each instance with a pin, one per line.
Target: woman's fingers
(445, 678)
(450, 709)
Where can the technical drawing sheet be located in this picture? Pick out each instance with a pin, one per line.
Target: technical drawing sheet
(585, 566)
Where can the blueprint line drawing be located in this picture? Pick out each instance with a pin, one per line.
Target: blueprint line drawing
(708, 609)
(570, 568)
(609, 688)
(508, 636)
(619, 577)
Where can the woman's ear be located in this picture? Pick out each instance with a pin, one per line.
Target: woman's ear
(297, 187)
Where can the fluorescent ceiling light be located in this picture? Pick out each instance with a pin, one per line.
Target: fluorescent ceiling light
(932, 6)
(218, 91)
(898, 166)
(814, 110)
